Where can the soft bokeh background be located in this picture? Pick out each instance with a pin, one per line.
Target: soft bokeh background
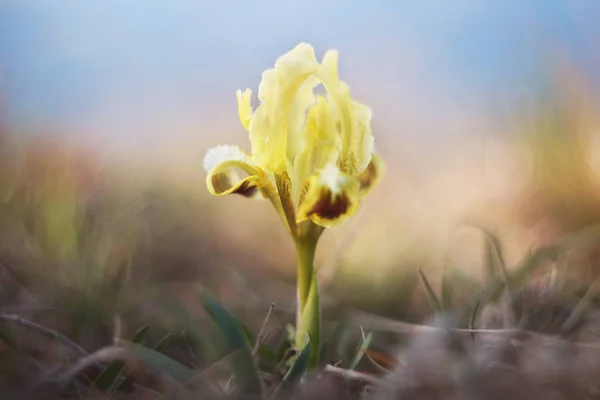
(485, 112)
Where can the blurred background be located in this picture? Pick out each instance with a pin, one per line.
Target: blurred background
(484, 111)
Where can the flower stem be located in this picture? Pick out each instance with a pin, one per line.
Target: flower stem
(306, 256)
(309, 309)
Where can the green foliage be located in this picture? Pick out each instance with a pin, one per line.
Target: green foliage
(362, 349)
(515, 278)
(299, 366)
(432, 298)
(162, 363)
(234, 335)
(113, 375)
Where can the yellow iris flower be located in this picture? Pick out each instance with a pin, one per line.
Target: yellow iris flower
(312, 155)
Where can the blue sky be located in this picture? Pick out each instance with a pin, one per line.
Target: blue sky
(60, 60)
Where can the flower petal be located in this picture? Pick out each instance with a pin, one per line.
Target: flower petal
(321, 144)
(304, 99)
(354, 119)
(270, 123)
(221, 153)
(224, 164)
(371, 176)
(244, 106)
(330, 197)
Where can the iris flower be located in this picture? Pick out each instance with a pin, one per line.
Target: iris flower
(311, 157)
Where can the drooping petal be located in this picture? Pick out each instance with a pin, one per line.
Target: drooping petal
(244, 106)
(354, 119)
(225, 165)
(371, 176)
(330, 197)
(269, 126)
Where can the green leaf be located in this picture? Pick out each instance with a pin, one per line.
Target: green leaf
(341, 339)
(139, 335)
(364, 346)
(110, 375)
(246, 371)
(473, 318)
(580, 309)
(495, 256)
(264, 352)
(197, 336)
(568, 243)
(162, 363)
(130, 379)
(299, 366)
(162, 343)
(113, 374)
(282, 349)
(583, 237)
(296, 370)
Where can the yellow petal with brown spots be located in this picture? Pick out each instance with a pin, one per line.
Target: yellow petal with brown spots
(330, 197)
(226, 166)
(371, 176)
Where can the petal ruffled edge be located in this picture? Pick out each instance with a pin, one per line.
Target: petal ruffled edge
(329, 198)
(269, 129)
(372, 175)
(224, 164)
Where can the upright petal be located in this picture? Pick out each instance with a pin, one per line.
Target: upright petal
(330, 197)
(304, 99)
(321, 144)
(328, 72)
(244, 106)
(269, 127)
(357, 155)
(354, 119)
(225, 165)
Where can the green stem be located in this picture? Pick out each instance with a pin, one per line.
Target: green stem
(306, 256)
(309, 308)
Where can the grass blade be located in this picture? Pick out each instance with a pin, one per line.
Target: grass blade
(552, 252)
(162, 343)
(296, 370)
(112, 375)
(473, 318)
(581, 238)
(162, 363)
(140, 334)
(580, 309)
(246, 371)
(495, 255)
(364, 346)
(197, 336)
(434, 302)
(130, 379)
(299, 366)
